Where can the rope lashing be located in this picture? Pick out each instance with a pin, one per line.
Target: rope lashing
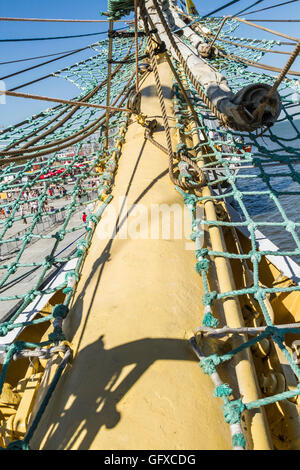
(54, 128)
(238, 189)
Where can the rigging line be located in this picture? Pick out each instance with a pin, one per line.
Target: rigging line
(66, 142)
(219, 9)
(48, 20)
(183, 91)
(241, 20)
(259, 65)
(136, 45)
(29, 146)
(53, 74)
(255, 48)
(98, 124)
(223, 118)
(50, 130)
(274, 6)
(43, 63)
(277, 21)
(279, 43)
(262, 106)
(198, 20)
(57, 100)
(43, 56)
(58, 37)
(8, 129)
(110, 52)
(250, 6)
(32, 82)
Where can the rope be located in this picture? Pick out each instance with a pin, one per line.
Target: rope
(43, 56)
(136, 46)
(184, 158)
(247, 8)
(43, 20)
(58, 100)
(44, 63)
(260, 110)
(266, 29)
(51, 74)
(57, 37)
(278, 21)
(60, 123)
(221, 8)
(176, 181)
(271, 163)
(238, 191)
(89, 130)
(223, 118)
(263, 66)
(110, 46)
(235, 18)
(274, 6)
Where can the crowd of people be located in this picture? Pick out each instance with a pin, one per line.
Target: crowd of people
(29, 200)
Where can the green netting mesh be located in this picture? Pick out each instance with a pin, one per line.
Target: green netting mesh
(263, 192)
(43, 198)
(267, 178)
(118, 8)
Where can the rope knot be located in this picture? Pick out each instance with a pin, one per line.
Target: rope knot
(238, 440)
(57, 335)
(190, 199)
(223, 390)
(196, 234)
(59, 236)
(181, 148)
(16, 347)
(260, 293)
(12, 269)
(208, 364)
(233, 411)
(4, 330)
(275, 332)
(60, 310)
(210, 321)
(201, 252)
(202, 265)
(290, 226)
(209, 297)
(238, 195)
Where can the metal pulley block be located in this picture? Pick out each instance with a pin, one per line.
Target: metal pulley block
(150, 124)
(134, 101)
(251, 97)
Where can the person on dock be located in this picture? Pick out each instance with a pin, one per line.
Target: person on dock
(22, 214)
(84, 216)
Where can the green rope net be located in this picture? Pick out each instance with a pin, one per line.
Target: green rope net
(43, 198)
(118, 8)
(268, 175)
(263, 194)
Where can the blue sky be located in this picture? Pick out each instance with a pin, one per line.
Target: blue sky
(17, 109)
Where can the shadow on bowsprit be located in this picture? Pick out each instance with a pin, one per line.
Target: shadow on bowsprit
(95, 387)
